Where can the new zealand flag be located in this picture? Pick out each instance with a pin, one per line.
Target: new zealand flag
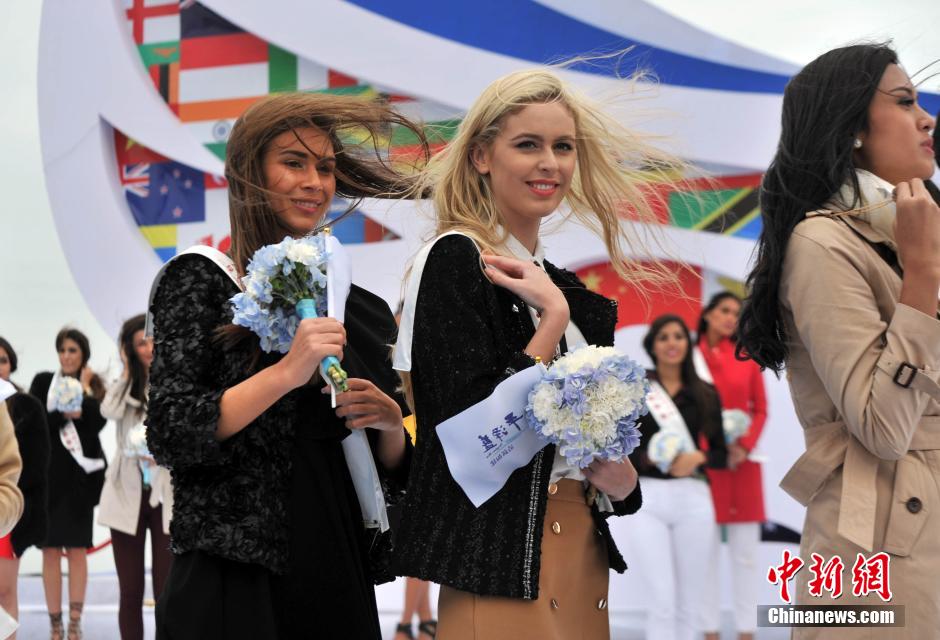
(164, 193)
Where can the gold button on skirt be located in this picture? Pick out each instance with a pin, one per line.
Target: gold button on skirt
(572, 582)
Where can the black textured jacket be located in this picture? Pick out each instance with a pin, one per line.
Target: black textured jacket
(32, 436)
(469, 335)
(233, 498)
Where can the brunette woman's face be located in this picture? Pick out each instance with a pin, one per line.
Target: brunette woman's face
(143, 346)
(897, 146)
(723, 319)
(70, 357)
(531, 162)
(670, 345)
(5, 364)
(299, 168)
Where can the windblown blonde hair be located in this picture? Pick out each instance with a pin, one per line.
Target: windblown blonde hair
(615, 165)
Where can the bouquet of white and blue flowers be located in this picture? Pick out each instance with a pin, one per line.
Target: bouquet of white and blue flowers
(665, 446)
(285, 283)
(67, 395)
(588, 403)
(135, 446)
(735, 423)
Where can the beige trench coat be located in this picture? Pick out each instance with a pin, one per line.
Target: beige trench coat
(119, 507)
(11, 499)
(869, 477)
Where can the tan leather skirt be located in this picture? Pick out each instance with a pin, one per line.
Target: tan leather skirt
(572, 602)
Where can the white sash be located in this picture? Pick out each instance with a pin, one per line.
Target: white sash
(402, 356)
(68, 434)
(667, 415)
(362, 469)
(701, 366)
(6, 389)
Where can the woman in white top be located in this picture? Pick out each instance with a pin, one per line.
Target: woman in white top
(137, 494)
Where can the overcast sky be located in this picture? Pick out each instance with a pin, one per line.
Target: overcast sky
(37, 292)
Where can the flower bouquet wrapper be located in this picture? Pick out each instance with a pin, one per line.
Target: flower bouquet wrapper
(330, 368)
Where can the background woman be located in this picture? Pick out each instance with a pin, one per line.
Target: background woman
(674, 533)
(737, 491)
(73, 493)
(529, 562)
(267, 531)
(137, 495)
(844, 295)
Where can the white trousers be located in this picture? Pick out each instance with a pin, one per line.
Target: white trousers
(671, 538)
(743, 543)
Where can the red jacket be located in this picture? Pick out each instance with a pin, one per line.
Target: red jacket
(738, 494)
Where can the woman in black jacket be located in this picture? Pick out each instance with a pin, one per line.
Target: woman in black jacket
(533, 560)
(74, 489)
(267, 533)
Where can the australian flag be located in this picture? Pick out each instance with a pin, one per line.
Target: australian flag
(164, 193)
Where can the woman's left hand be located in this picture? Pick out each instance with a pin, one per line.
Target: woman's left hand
(616, 479)
(736, 455)
(365, 406)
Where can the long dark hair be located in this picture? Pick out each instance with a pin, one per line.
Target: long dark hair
(137, 373)
(824, 107)
(365, 167)
(713, 303)
(703, 395)
(71, 333)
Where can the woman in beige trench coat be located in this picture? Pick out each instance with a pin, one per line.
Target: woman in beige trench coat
(844, 294)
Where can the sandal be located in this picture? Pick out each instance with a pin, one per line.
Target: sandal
(428, 627)
(56, 630)
(405, 629)
(75, 621)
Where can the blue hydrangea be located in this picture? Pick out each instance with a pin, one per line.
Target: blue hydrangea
(279, 276)
(588, 404)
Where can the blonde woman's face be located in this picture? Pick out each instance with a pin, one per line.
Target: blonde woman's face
(300, 170)
(531, 162)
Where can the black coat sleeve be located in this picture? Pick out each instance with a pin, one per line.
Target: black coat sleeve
(183, 409)
(457, 355)
(33, 438)
(717, 456)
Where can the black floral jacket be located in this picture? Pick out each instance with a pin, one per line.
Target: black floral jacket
(230, 498)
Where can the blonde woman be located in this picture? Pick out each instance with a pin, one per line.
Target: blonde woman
(533, 561)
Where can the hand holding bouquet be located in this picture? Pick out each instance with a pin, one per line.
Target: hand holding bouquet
(588, 403)
(285, 283)
(135, 446)
(664, 447)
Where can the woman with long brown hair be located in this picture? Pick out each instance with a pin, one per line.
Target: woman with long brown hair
(136, 495)
(267, 531)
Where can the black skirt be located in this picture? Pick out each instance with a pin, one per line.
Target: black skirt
(211, 598)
